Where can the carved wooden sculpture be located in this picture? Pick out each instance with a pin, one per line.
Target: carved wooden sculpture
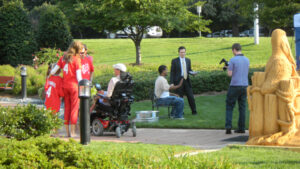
(274, 98)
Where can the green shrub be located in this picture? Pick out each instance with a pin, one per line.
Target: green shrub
(7, 70)
(17, 42)
(43, 152)
(53, 29)
(35, 80)
(23, 122)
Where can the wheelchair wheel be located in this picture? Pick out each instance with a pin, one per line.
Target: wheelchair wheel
(133, 130)
(97, 127)
(118, 132)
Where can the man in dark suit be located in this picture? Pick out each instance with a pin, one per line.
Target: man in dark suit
(181, 68)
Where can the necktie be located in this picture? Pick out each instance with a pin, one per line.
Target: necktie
(184, 69)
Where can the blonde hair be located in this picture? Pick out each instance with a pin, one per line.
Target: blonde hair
(74, 49)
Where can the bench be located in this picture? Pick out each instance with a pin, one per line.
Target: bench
(7, 82)
(154, 105)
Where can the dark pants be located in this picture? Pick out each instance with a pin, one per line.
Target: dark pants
(236, 93)
(187, 90)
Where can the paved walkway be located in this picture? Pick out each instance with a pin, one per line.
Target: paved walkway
(198, 138)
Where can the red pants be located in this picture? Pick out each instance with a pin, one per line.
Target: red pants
(71, 105)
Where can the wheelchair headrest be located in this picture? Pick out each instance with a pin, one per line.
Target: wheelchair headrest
(125, 76)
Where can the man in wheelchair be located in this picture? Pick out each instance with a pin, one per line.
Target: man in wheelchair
(105, 95)
(113, 104)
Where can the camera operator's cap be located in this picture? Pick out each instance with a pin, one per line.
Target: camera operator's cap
(120, 66)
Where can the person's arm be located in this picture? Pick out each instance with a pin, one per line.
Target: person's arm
(78, 75)
(78, 69)
(54, 70)
(110, 88)
(190, 65)
(56, 67)
(229, 73)
(190, 68)
(172, 87)
(61, 92)
(172, 72)
(91, 70)
(230, 68)
(173, 94)
(91, 76)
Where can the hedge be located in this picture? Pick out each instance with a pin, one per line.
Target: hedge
(144, 77)
(43, 152)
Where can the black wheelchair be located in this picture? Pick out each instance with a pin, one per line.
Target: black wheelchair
(113, 115)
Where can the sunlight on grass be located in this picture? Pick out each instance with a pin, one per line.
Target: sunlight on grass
(202, 51)
(211, 114)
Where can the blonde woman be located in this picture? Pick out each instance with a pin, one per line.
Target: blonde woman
(71, 65)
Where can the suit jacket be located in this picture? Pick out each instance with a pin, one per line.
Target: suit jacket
(176, 71)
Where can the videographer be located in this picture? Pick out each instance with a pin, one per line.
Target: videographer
(238, 69)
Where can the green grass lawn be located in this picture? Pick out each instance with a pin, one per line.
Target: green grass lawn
(211, 114)
(202, 51)
(229, 157)
(259, 157)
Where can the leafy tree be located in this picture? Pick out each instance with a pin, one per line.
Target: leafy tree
(225, 14)
(53, 29)
(17, 43)
(272, 14)
(135, 17)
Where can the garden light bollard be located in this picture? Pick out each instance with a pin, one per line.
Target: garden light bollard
(24, 86)
(84, 95)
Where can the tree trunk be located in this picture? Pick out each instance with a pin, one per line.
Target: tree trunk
(138, 52)
(80, 33)
(235, 30)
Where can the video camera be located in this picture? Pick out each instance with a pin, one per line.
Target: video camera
(225, 64)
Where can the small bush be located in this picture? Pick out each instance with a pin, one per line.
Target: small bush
(17, 41)
(23, 122)
(7, 70)
(46, 56)
(43, 152)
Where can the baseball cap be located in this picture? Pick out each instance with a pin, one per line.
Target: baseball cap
(120, 66)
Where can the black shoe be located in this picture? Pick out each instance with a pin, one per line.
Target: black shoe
(239, 131)
(194, 113)
(228, 131)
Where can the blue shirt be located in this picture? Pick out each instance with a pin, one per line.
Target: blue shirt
(239, 65)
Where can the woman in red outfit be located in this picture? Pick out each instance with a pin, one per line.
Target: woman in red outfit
(87, 66)
(71, 65)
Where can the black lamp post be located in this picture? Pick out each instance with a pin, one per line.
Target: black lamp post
(84, 95)
(24, 86)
